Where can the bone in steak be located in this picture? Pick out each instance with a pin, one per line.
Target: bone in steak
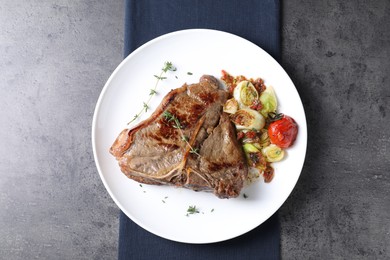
(154, 152)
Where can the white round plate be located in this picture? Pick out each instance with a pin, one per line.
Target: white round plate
(162, 210)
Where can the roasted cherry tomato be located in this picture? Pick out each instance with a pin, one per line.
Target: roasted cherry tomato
(283, 132)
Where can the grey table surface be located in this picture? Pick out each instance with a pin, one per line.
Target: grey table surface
(57, 55)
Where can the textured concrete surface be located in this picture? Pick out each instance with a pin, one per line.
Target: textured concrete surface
(337, 53)
(55, 59)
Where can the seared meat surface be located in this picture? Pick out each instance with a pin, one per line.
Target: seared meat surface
(154, 151)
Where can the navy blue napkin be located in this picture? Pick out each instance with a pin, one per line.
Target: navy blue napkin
(254, 20)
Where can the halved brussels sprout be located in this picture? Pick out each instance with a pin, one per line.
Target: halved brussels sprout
(248, 119)
(231, 106)
(245, 93)
(269, 101)
(273, 153)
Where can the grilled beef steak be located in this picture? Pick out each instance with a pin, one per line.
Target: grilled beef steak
(198, 150)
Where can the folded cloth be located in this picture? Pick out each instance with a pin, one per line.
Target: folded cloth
(256, 21)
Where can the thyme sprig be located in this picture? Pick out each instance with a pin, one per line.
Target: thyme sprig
(168, 66)
(192, 210)
(170, 117)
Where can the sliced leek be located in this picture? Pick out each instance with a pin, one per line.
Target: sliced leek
(231, 106)
(261, 141)
(248, 119)
(264, 138)
(245, 94)
(273, 153)
(250, 148)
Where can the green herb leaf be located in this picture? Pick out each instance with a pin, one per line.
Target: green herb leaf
(146, 107)
(160, 77)
(168, 66)
(192, 210)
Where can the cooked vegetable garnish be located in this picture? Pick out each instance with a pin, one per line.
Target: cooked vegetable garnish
(283, 132)
(231, 106)
(254, 157)
(273, 153)
(248, 119)
(269, 101)
(264, 138)
(250, 148)
(262, 131)
(245, 94)
(274, 116)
